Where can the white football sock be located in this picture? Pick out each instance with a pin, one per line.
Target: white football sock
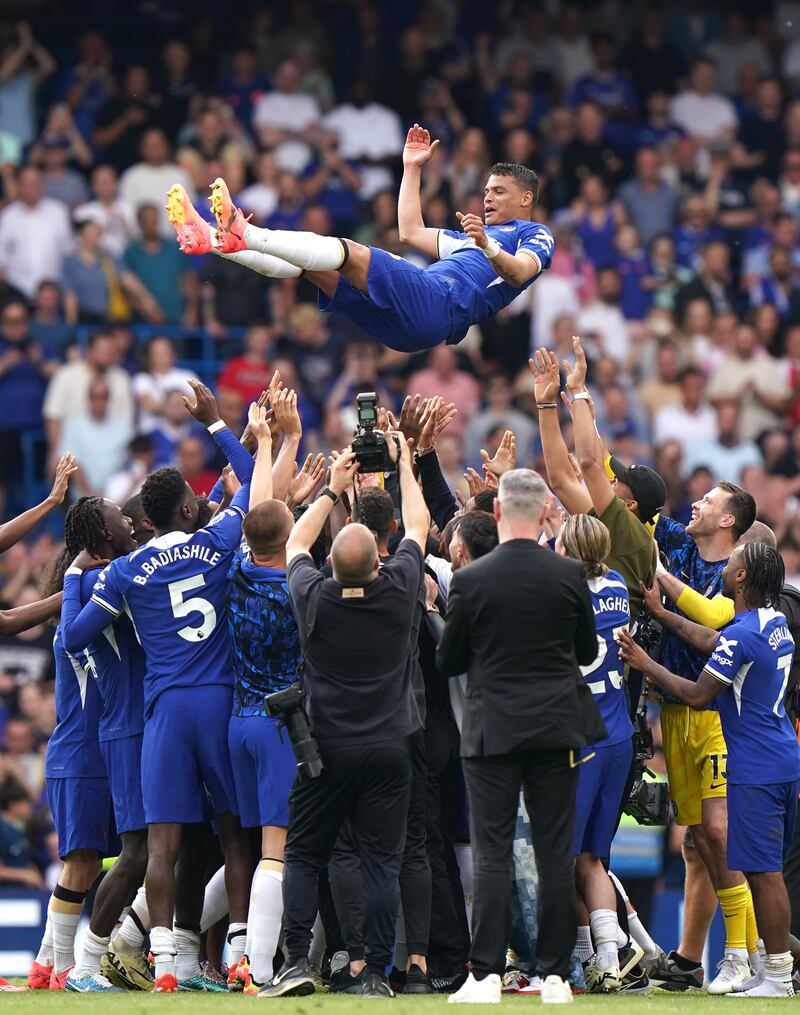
(306, 250)
(94, 948)
(619, 884)
(65, 917)
(264, 918)
(215, 902)
(162, 945)
(131, 934)
(778, 968)
(605, 927)
(45, 954)
(263, 264)
(237, 936)
(187, 951)
(641, 937)
(583, 946)
(622, 937)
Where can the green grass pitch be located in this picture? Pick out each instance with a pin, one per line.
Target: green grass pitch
(660, 1003)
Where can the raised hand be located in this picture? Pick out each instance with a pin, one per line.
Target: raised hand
(475, 483)
(505, 458)
(418, 148)
(576, 375)
(343, 472)
(86, 559)
(411, 417)
(306, 479)
(67, 465)
(257, 423)
(230, 483)
(204, 407)
(546, 376)
(247, 439)
(474, 227)
(630, 652)
(437, 417)
(286, 414)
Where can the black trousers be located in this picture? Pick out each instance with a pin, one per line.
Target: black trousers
(449, 938)
(791, 875)
(370, 785)
(493, 785)
(344, 869)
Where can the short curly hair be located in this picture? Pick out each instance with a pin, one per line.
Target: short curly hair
(162, 494)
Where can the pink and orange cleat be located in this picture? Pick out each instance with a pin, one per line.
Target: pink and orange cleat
(58, 981)
(39, 976)
(194, 233)
(166, 984)
(231, 220)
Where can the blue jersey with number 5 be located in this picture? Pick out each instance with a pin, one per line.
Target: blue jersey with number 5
(753, 658)
(605, 676)
(175, 590)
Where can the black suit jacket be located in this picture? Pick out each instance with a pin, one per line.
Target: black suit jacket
(520, 622)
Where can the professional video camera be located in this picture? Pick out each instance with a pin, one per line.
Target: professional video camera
(287, 707)
(370, 443)
(648, 802)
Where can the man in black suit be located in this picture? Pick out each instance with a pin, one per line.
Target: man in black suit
(520, 622)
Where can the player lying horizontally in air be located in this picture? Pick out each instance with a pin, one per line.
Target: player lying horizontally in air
(475, 272)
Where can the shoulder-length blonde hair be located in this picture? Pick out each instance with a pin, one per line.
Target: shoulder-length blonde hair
(586, 539)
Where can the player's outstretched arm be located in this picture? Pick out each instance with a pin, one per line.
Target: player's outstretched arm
(80, 625)
(588, 446)
(560, 473)
(17, 528)
(696, 695)
(516, 269)
(700, 637)
(416, 520)
(417, 151)
(204, 409)
(22, 618)
(261, 484)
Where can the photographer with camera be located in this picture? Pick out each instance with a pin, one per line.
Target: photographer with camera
(356, 631)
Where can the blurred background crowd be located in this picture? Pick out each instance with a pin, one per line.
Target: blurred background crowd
(667, 140)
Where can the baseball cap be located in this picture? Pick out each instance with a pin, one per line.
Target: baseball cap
(648, 488)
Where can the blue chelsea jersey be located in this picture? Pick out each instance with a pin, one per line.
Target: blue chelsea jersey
(753, 657)
(175, 590)
(264, 636)
(475, 285)
(74, 748)
(115, 661)
(605, 676)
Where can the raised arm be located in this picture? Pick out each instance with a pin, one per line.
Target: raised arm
(309, 525)
(204, 409)
(416, 520)
(561, 475)
(287, 417)
(12, 531)
(417, 151)
(588, 446)
(261, 483)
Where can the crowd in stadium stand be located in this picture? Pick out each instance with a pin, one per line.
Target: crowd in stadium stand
(667, 141)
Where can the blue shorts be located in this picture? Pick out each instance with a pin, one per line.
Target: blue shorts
(407, 308)
(601, 783)
(185, 756)
(760, 825)
(81, 810)
(263, 770)
(123, 758)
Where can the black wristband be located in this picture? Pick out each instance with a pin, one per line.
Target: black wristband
(326, 490)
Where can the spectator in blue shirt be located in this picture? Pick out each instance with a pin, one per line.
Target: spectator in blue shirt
(16, 810)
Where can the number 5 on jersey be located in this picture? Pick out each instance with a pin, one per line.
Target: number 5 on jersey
(184, 607)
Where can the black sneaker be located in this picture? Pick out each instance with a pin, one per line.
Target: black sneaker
(374, 985)
(293, 980)
(668, 975)
(636, 981)
(343, 982)
(448, 984)
(417, 982)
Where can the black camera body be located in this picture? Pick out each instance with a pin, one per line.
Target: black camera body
(287, 707)
(369, 443)
(648, 802)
